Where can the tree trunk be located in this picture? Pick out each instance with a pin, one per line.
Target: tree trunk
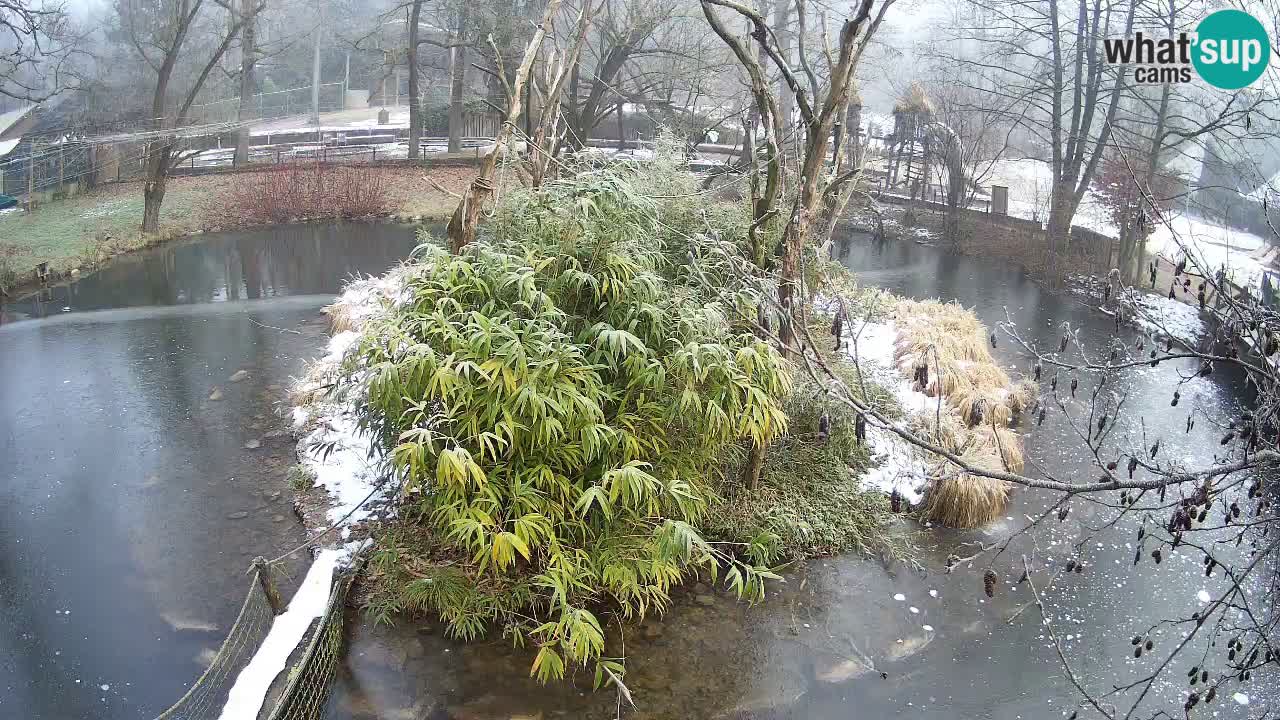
(154, 188)
(415, 103)
(853, 126)
(951, 226)
(786, 98)
(248, 83)
(622, 131)
(1059, 230)
(466, 217)
(755, 467)
(458, 81)
(1124, 261)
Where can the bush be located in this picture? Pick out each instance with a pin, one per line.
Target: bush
(562, 400)
(8, 268)
(307, 191)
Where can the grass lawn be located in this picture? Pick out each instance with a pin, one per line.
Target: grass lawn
(88, 229)
(79, 230)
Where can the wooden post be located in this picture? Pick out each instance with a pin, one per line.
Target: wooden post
(31, 178)
(268, 585)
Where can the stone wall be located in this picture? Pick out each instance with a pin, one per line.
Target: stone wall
(1016, 240)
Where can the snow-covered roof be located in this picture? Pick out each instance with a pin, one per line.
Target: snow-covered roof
(13, 116)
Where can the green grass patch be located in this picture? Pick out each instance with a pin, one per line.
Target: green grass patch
(88, 228)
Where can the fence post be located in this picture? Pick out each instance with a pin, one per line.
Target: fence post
(268, 585)
(31, 178)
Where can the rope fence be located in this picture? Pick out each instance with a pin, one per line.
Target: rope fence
(306, 680)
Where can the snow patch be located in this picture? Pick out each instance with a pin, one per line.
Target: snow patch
(1241, 698)
(342, 457)
(338, 454)
(1212, 246)
(1157, 315)
(1203, 596)
(287, 631)
(900, 465)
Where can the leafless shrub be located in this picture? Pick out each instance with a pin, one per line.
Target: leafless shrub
(308, 191)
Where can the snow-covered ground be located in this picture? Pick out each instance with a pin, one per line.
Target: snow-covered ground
(287, 631)
(340, 456)
(900, 466)
(1029, 182)
(1213, 247)
(1157, 315)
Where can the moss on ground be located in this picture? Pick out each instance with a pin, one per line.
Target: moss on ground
(810, 497)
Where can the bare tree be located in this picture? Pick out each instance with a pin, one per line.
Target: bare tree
(1043, 60)
(162, 34)
(37, 45)
(466, 217)
(249, 10)
(1157, 125)
(545, 141)
(970, 133)
(623, 31)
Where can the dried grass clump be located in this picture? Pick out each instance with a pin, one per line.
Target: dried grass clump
(914, 101)
(1024, 395)
(953, 343)
(315, 385)
(343, 316)
(981, 401)
(964, 501)
(1006, 445)
(950, 433)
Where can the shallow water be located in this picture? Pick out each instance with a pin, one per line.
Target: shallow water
(123, 546)
(832, 641)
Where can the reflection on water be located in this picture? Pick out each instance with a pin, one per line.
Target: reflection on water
(129, 504)
(286, 260)
(832, 641)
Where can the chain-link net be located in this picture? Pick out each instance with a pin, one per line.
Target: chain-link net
(308, 688)
(209, 692)
(308, 679)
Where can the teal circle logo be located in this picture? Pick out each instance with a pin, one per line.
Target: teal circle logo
(1231, 49)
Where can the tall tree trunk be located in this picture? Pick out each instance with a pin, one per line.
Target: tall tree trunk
(1061, 211)
(415, 93)
(248, 81)
(622, 129)
(786, 98)
(853, 129)
(153, 188)
(458, 82)
(466, 217)
(1153, 157)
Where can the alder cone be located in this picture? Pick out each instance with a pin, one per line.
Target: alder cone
(989, 579)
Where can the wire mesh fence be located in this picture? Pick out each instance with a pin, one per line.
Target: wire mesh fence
(275, 104)
(209, 692)
(308, 689)
(307, 680)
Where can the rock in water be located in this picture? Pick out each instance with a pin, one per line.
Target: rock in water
(239, 376)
